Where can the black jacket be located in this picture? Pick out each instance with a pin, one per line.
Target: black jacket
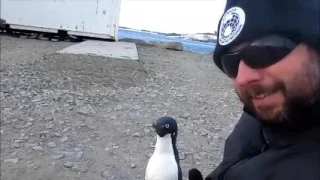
(253, 152)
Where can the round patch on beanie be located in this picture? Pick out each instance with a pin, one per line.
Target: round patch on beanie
(231, 25)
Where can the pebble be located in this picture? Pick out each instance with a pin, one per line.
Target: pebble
(50, 118)
(197, 157)
(19, 140)
(56, 135)
(49, 126)
(64, 139)
(66, 129)
(23, 36)
(23, 138)
(55, 40)
(136, 135)
(15, 145)
(43, 38)
(37, 148)
(68, 164)
(51, 145)
(79, 102)
(79, 168)
(133, 166)
(182, 156)
(28, 124)
(146, 130)
(33, 36)
(105, 174)
(79, 155)
(14, 160)
(59, 156)
(83, 111)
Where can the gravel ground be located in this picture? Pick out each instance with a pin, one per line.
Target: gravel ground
(69, 117)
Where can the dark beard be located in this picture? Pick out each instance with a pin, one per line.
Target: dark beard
(299, 112)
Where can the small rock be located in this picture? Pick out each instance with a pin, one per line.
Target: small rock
(79, 155)
(33, 36)
(14, 160)
(24, 138)
(79, 168)
(182, 156)
(4, 88)
(56, 135)
(28, 124)
(64, 139)
(203, 154)
(77, 149)
(49, 126)
(105, 174)
(19, 140)
(55, 40)
(43, 133)
(51, 145)
(136, 135)
(35, 166)
(197, 157)
(37, 148)
(30, 119)
(23, 36)
(133, 166)
(59, 156)
(79, 102)
(42, 37)
(186, 115)
(15, 145)
(118, 108)
(176, 46)
(83, 111)
(115, 147)
(68, 164)
(146, 130)
(66, 129)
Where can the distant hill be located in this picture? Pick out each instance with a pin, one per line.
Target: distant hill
(202, 37)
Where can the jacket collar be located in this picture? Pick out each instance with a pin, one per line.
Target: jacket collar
(282, 136)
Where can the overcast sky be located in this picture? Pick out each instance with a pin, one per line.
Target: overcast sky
(177, 16)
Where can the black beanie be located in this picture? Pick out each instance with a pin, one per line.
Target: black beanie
(245, 20)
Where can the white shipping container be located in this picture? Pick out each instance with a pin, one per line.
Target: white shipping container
(92, 18)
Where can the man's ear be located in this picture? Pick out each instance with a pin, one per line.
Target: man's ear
(195, 174)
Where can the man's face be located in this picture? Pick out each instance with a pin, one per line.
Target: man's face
(282, 90)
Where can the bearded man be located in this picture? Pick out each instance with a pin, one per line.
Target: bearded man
(270, 49)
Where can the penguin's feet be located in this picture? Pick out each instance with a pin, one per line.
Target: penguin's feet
(195, 174)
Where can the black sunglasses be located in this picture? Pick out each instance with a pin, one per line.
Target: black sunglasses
(259, 53)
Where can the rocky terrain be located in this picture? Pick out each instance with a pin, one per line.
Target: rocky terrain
(66, 117)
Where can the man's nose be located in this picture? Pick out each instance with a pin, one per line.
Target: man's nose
(247, 75)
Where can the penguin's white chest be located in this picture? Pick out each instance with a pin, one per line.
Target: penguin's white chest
(162, 167)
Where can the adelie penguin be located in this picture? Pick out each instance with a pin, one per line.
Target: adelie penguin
(164, 163)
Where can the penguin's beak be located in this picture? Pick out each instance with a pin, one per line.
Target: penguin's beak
(154, 125)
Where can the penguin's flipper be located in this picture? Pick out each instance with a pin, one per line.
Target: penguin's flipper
(195, 174)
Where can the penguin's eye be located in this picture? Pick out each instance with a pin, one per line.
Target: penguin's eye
(167, 126)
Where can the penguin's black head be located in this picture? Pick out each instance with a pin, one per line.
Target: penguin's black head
(166, 125)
